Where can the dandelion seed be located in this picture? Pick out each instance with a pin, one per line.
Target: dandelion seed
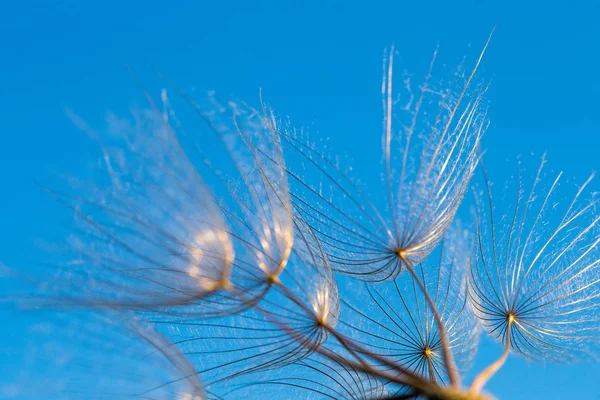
(262, 213)
(398, 323)
(156, 236)
(438, 137)
(535, 284)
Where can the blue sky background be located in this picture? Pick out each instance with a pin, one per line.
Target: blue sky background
(319, 63)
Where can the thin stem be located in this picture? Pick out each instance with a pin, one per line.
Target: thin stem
(485, 375)
(431, 370)
(446, 353)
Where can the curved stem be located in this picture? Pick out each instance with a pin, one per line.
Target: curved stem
(431, 370)
(398, 373)
(408, 377)
(446, 353)
(485, 375)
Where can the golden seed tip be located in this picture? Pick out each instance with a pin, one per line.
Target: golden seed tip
(511, 317)
(225, 284)
(427, 352)
(272, 279)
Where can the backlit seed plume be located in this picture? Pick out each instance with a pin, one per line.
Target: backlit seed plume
(154, 235)
(101, 356)
(430, 148)
(262, 215)
(311, 279)
(536, 283)
(396, 321)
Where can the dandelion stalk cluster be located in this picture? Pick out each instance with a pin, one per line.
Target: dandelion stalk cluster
(239, 260)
